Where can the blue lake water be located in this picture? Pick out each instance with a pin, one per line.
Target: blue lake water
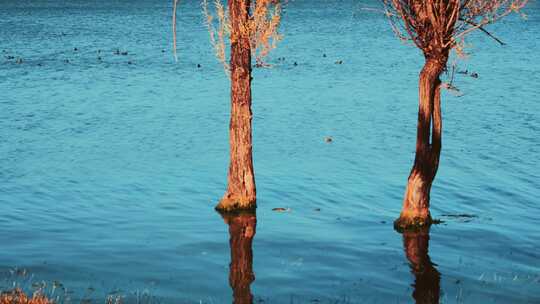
(109, 171)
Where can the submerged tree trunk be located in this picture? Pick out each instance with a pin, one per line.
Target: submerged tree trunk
(427, 277)
(241, 192)
(242, 228)
(415, 211)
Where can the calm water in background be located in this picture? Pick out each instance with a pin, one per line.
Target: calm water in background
(109, 171)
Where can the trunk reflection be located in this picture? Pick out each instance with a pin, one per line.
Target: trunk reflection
(427, 278)
(242, 228)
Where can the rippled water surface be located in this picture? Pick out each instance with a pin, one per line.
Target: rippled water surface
(109, 171)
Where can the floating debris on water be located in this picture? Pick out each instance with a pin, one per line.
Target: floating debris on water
(437, 221)
(461, 217)
(458, 215)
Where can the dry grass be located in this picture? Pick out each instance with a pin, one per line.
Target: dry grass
(17, 296)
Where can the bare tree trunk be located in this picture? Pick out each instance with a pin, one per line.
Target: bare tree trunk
(241, 192)
(427, 277)
(415, 211)
(242, 229)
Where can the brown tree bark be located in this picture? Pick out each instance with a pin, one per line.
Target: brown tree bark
(415, 211)
(427, 277)
(241, 192)
(242, 229)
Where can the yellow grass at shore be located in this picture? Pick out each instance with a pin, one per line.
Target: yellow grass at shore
(17, 296)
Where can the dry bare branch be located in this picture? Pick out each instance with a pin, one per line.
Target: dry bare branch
(261, 28)
(438, 26)
(175, 5)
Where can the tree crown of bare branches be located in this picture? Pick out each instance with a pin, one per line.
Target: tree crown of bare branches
(437, 26)
(261, 28)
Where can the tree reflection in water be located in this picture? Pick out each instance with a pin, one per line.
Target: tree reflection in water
(427, 277)
(242, 228)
